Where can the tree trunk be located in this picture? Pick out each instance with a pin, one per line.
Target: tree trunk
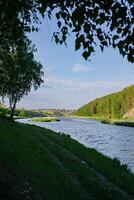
(12, 110)
(12, 113)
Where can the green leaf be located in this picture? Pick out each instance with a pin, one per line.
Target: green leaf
(115, 37)
(56, 39)
(58, 16)
(77, 45)
(119, 30)
(85, 55)
(59, 24)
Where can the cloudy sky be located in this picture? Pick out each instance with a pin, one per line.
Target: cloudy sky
(69, 80)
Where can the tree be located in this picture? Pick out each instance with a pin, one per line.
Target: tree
(19, 72)
(94, 22)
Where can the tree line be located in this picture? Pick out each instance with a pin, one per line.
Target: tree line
(115, 105)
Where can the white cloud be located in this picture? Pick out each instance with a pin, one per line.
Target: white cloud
(81, 68)
(59, 92)
(77, 84)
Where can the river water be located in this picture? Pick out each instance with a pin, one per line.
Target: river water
(113, 141)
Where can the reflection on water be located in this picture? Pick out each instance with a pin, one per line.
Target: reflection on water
(113, 141)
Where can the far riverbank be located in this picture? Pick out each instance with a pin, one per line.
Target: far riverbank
(118, 122)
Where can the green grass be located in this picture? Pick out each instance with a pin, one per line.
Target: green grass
(37, 163)
(46, 119)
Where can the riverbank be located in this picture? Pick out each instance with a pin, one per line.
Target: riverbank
(119, 122)
(37, 163)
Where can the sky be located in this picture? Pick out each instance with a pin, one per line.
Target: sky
(70, 81)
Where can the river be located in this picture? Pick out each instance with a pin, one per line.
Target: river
(113, 141)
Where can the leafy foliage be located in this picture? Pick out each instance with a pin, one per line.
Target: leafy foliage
(19, 71)
(110, 106)
(106, 23)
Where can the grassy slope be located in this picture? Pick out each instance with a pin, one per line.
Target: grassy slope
(36, 163)
(112, 106)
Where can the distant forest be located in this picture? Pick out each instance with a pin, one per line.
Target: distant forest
(115, 105)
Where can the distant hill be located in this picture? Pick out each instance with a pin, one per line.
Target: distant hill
(25, 113)
(55, 112)
(116, 105)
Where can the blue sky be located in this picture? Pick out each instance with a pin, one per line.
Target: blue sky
(69, 80)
